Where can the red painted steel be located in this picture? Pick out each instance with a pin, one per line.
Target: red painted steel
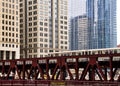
(55, 83)
(63, 68)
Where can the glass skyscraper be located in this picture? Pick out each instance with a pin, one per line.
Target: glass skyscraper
(91, 11)
(101, 23)
(107, 23)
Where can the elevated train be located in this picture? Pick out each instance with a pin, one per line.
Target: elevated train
(88, 52)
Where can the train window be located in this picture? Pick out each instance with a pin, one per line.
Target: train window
(115, 51)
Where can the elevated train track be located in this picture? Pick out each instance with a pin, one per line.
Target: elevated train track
(89, 66)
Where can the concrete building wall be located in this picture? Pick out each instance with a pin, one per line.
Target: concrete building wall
(44, 27)
(9, 29)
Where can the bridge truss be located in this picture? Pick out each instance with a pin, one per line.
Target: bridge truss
(73, 67)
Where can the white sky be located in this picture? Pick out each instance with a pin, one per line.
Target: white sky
(118, 21)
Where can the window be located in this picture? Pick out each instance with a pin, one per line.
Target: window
(21, 15)
(41, 40)
(2, 21)
(30, 29)
(41, 45)
(3, 4)
(30, 51)
(30, 24)
(46, 45)
(41, 34)
(35, 1)
(30, 2)
(41, 50)
(21, 20)
(30, 40)
(35, 18)
(35, 39)
(35, 45)
(46, 40)
(45, 24)
(35, 12)
(45, 35)
(35, 23)
(30, 45)
(21, 25)
(41, 28)
(2, 15)
(9, 17)
(30, 19)
(2, 39)
(2, 33)
(7, 55)
(2, 27)
(41, 23)
(30, 8)
(21, 10)
(65, 22)
(35, 34)
(34, 7)
(30, 13)
(13, 54)
(45, 29)
(35, 28)
(21, 5)
(6, 16)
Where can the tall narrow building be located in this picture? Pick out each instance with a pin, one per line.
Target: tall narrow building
(107, 35)
(9, 29)
(101, 23)
(91, 10)
(43, 27)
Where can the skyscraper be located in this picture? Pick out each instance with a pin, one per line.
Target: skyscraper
(9, 29)
(101, 23)
(43, 27)
(91, 10)
(79, 33)
(76, 8)
(107, 37)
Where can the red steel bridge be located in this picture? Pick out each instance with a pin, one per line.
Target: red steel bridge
(95, 67)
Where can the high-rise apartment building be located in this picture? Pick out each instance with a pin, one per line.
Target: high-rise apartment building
(101, 23)
(9, 29)
(79, 33)
(43, 27)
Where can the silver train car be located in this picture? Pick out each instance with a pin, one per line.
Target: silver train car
(88, 52)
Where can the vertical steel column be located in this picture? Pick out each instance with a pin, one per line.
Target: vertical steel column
(47, 69)
(111, 69)
(23, 70)
(76, 69)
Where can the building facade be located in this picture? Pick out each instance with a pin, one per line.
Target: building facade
(101, 23)
(76, 8)
(79, 33)
(43, 27)
(91, 10)
(9, 29)
(107, 35)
